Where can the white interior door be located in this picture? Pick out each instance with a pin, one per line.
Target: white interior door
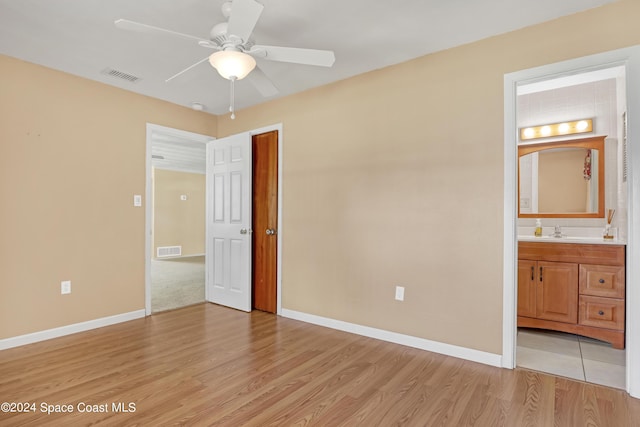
(228, 251)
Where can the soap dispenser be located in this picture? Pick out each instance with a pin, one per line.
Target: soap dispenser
(538, 232)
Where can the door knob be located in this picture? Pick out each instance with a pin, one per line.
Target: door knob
(245, 231)
(270, 231)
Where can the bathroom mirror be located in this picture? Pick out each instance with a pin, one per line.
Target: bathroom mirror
(563, 179)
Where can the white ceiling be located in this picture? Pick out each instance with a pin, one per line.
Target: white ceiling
(79, 37)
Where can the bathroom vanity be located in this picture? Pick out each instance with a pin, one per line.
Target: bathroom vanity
(573, 287)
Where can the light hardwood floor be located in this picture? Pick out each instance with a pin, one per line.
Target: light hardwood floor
(213, 366)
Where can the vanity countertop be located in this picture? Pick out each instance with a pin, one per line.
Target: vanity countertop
(566, 239)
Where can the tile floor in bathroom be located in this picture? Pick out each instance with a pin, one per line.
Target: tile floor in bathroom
(571, 356)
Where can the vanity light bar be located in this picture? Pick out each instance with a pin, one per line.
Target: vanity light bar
(556, 129)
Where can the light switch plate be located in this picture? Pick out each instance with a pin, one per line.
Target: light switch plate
(400, 293)
(137, 200)
(65, 287)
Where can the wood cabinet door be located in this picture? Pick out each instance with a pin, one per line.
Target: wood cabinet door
(526, 288)
(557, 291)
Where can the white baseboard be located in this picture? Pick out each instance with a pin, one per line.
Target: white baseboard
(394, 337)
(69, 329)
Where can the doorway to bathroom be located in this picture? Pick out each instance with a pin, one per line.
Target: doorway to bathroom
(559, 178)
(599, 87)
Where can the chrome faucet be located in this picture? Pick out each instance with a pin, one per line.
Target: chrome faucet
(557, 232)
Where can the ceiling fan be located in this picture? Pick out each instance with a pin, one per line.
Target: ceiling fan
(236, 51)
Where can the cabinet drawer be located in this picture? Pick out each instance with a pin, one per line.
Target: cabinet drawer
(601, 312)
(602, 280)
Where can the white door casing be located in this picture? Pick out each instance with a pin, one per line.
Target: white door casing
(228, 229)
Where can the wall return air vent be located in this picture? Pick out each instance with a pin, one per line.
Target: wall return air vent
(120, 75)
(168, 251)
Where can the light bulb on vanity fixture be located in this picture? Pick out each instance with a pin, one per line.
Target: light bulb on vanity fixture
(556, 129)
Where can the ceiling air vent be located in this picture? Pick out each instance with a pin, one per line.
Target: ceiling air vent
(120, 74)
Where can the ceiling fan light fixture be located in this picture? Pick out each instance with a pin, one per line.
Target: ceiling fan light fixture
(232, 64)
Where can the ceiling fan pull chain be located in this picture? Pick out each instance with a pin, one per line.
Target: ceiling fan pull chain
(231, 107)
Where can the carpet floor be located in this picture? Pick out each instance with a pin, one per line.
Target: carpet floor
(176, 282)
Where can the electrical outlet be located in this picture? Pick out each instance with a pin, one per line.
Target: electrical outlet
(400, 293)
(65, 287)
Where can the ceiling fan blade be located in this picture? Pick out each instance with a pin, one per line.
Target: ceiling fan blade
(261, 82)
(243, 18)
(187, 69)
(208, 44)
(322, 58)
(125, 24)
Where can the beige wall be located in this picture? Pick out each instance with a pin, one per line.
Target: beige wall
(72, 155)
(179, 222)
(391, 178)
(395, 177)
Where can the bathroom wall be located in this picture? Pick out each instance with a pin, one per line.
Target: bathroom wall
(601, 101)
(597, 100)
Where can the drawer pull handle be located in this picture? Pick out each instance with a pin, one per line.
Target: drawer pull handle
(601, 313)
(601, 280)
(541, 274)
(532, 273)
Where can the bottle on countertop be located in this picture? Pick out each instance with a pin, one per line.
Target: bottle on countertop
(538, 232)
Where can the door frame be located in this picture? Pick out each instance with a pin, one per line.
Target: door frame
(178, 133)
(630, 59)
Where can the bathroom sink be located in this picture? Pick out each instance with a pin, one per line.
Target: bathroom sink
(547, 237)
(567, 239)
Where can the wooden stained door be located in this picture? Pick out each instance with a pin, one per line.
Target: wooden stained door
(265, 221)
(557, 296)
